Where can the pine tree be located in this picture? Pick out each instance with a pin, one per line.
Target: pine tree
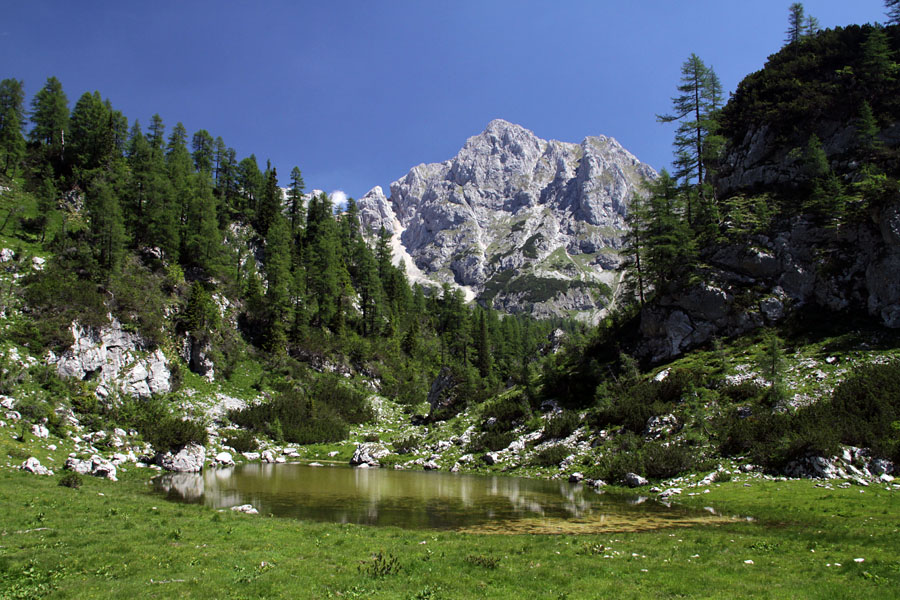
(156, 132)
(201, 237)
(203, 147)
(270, 205)
(91, 136)
(106, 225)
(295, 200)
(12, 143)
(695, 110)
(893, 11)
(278, 280)
(50, 115)
(796, 23)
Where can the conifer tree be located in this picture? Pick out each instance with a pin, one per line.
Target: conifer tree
(278, 282)
(201, 237)
(796, 23)
(695, 109)
(295, 200)
(106, 225)
(893, 11)
(203, 147)
(12, 143)
(92, 139)
(270, 205)
(156, 132)
(50, 115)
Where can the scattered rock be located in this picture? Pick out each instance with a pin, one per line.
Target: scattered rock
(576, 478)
(189, 459)
(635, 480)
(247, 509)
(225, 459)
(33, 465)
(39, 431)
(369, 453)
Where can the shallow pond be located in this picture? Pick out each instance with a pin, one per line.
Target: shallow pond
(423, 500)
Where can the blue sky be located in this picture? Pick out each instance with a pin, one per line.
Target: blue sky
(355, 93)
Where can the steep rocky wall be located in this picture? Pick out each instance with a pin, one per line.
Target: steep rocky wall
(853, 268)
(512, 202)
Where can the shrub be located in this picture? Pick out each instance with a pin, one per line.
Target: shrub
(71, 480)
(661, 462)
(406, 445)
(491, 441)
(508, 409)
(551, 456)
(561, 425)
(160, 428)
(242, 441)
(866, 407)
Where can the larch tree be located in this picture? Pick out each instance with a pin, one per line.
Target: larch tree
(893, 11)
(295, 199)
(12, 116)
(50, 115)
(796, 23)
(694, 109)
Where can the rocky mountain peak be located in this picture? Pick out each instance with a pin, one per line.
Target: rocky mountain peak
(522, 223)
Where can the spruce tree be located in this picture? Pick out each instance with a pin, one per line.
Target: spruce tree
(203, 147)
(295, 200)
(106, 226)
(279, 283)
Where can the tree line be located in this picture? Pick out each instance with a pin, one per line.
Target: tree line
(201, 225)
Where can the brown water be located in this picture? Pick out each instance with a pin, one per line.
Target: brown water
(422, 500)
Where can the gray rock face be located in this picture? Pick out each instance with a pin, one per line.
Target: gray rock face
(851, 268)
(511, 205)
(635, 480)
(189, 459)
(112, 355)
(369, 454)
(96, 466)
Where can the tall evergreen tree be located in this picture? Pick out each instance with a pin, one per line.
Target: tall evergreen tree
(12, 143)
(278, 280)
(295, 199)
(796, 23)
(695, 109)
(92, 140)
(106, 225)
(270, 205)
(203, 154)
(50, 115)
(156, 132)
(893, 11)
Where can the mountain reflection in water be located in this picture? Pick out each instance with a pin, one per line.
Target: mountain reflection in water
(410, 499)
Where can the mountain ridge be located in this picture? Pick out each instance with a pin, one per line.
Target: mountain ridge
(511, 205)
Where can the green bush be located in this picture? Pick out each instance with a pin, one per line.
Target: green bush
(660, 461)
(491, 441)
(865, 408)
(293, 416)
(508, 409)
(159, 427)
(242, 441)
(406, 445)
(71, 480)
(561, 425)
(551, 456)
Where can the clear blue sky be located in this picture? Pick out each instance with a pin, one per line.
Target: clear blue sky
(355, 93)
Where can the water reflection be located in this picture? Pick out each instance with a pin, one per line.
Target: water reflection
(420, 500)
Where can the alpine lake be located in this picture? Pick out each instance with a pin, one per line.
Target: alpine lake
(426, 500)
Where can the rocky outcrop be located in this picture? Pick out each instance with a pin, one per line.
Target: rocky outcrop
(95, 465)
(189, 459)
(851, 268)
(33, 465)
(368, 454)
(510, 204)
(196, 353)
(443, 397)
(114, 357)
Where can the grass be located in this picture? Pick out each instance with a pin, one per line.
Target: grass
(112, 540)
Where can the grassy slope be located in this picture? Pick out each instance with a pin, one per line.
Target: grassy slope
(120, 540)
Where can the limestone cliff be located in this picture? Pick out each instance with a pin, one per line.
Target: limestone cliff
(522, 223)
